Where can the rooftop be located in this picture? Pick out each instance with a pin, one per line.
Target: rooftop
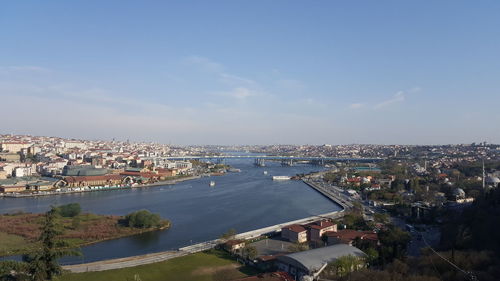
(312, 260)
(295, 228)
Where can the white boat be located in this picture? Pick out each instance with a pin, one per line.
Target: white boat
(265, 172)
(281, 178)
(212, 183)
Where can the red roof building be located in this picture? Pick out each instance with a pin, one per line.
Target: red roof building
(294, 233)
(318, 228)
(79, 181)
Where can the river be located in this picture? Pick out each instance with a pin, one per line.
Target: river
(244, 201)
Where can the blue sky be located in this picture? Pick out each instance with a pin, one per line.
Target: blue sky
(252, 72)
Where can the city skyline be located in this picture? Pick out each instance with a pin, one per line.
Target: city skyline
(230, 72)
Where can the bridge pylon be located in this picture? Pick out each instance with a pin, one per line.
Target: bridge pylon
(260, 162)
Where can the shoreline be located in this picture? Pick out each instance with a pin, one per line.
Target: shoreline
(141, 231)
(160, 183)
(131, 261)
(155, 257)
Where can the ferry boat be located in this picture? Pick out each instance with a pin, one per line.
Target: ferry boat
(281, 178)
(212, 183)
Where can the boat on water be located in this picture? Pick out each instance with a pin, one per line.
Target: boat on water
(212, 183)
(265, 172)
(281, 178)
(234, 170)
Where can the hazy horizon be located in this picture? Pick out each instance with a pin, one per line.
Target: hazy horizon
(241, 144)
(246, 72)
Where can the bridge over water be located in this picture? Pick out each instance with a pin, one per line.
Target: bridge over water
(276, 157)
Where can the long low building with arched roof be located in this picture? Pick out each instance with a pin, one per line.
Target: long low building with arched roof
(309, 262)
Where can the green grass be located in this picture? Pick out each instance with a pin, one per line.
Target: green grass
(208, 266)
(11, 244)
(19, 232)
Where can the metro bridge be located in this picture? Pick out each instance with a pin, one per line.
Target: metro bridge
(283, 159)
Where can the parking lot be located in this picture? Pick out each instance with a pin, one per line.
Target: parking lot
(272, 246)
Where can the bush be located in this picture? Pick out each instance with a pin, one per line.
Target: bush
(69, 210)
(143, 219)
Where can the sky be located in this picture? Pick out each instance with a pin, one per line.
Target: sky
(252, 72)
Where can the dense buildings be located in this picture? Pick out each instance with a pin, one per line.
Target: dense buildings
(30, 157)
(26, 160)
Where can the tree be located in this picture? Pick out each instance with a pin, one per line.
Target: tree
(354, 220)
(324, 238)
(330, 177)
(371, 256)
(69, 210)
(250, 252)
(229, 234)
(381, 217)
(342, 267)
(298, 247)
(13, 270)
(44, 265)
(143, 219)
(415, 185)
(394, 242)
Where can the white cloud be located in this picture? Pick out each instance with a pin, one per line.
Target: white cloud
(414, 90)
(398, 97)
(234, 79)
(240, 93)
(23, 68)
(203, 63)
(356, 105)
(291, 84)
(217, 68)
(79, 95)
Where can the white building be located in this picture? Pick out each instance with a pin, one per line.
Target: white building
(23, 171)
(13, 147)
(75, 144)
(183, 165)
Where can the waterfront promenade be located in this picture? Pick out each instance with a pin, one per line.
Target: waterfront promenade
(163, 256)
(48, 193)
(333, 195)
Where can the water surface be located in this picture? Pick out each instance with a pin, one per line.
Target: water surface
(244, 201)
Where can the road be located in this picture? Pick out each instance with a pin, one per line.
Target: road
(429, 234)
(331, 192)
(124, 262)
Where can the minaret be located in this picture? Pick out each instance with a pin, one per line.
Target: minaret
(484, 176)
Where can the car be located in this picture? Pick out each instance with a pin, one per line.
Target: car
(409, 228)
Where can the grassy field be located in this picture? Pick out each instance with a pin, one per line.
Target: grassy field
(19, 232)
(11, 244)
(213, 265)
